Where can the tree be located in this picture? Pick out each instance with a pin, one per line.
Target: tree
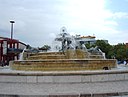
(105, 47)
(45, 48)
(121, 52)
(111, 53)
(88, 45)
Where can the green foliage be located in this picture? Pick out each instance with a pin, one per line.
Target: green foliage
(105, 47)
(45, 48)
(119, 51)
(89, 45)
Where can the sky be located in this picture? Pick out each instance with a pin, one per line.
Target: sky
(37, 22)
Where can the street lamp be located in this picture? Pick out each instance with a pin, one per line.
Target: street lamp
(12, 28)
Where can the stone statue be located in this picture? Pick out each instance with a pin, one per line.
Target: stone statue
(95, 50)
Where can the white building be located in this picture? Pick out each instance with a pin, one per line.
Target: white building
(85, 39)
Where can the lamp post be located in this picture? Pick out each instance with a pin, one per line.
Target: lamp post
(12, 22)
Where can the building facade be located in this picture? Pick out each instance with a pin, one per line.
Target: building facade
(10, 50)
(88, 39)
(85, 39)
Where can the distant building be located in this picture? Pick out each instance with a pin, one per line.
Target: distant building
(10, 50)
(85, 39)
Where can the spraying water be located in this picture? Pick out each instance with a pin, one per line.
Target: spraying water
(22, 54)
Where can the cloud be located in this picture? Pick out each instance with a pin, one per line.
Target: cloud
(120, 15)
(37, 22)
(109, 23)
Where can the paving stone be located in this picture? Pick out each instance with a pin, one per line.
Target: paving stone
(45, 79)
(13, 79)
(120, 76)
(99, 78)
(111, 77)
(126, 76)
(85, 78)
(31, 79)
(66, 79)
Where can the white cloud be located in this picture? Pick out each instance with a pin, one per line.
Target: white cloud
(110, 23)
(120, 15)
(38, 22)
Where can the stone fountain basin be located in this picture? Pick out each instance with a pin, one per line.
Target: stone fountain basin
(63, 64)
(97, 83)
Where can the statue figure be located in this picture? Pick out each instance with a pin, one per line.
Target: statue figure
(95, 50)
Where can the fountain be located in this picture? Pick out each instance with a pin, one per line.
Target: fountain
(21, 55)
(72, 71)
(71, 56)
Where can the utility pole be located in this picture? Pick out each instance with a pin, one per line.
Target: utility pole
(12, 22)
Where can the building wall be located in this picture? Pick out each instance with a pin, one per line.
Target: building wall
(86, 39)
(8, 50)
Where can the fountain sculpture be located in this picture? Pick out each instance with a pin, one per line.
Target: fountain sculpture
(73, 55)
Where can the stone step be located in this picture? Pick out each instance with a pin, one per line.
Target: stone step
(39, 57)
(96, 56)
(47, 53)
(63, 64)
(54, 69)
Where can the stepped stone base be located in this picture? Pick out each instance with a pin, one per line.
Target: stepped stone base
(63, 65)
(70, 60)
(40, 57)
